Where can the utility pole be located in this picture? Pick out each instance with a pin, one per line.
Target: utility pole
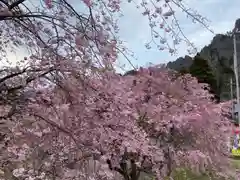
(234, 103)
(231, 86)
(231, 89)
(236, 67)
(236, 32)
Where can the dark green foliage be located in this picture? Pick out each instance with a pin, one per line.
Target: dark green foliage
(225, 69)
(184, 71)
(131, 73)
(203, 72)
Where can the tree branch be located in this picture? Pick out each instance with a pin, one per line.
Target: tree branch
(15, 4)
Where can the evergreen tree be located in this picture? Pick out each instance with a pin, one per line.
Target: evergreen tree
(131, 73)
(184, 71)
(203, 72)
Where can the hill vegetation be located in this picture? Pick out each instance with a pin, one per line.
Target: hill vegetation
(219, 56)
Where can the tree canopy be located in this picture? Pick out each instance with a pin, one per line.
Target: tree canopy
(204, 73)
(66, 114)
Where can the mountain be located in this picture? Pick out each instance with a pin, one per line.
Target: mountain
(219, 55)
(181, 63)
(221, 46)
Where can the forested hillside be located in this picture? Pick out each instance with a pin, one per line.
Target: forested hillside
(219, 55)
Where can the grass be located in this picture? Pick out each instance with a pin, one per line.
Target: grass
(235, 162)
(186, 174)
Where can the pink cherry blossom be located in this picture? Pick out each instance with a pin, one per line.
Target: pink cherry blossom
(147, 115)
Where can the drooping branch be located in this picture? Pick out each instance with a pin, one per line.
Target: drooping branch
(6, 92)
(15, 4)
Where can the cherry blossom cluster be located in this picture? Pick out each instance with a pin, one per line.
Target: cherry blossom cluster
(156, 118)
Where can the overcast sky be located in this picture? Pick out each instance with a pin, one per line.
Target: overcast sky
(135, 31)
(221, 13)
